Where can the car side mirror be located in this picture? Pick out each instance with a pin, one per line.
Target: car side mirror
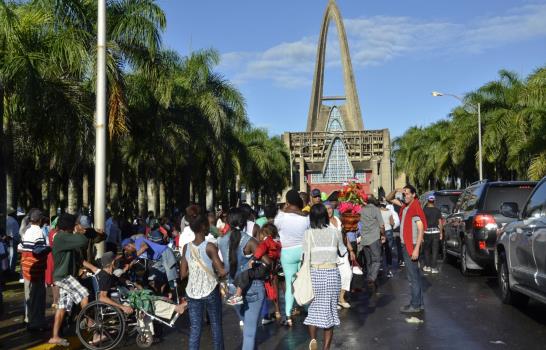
(509, 209)
(445, 209)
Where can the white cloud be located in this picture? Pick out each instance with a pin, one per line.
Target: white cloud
(378, 39)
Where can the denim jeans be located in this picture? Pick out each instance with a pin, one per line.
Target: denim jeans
(250, 313)
(414, 279)
(196, 309)
(387, 248)
(432, 242)
(372, 253)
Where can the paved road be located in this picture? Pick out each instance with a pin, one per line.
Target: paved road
(461, 313)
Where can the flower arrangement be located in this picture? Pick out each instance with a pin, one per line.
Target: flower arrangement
(352, 198)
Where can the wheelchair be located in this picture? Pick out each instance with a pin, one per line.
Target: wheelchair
(100, 326)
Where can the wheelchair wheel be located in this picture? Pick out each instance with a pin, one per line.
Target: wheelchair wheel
(144, 340)
(100, 326)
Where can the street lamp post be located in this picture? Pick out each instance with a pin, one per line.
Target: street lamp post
(478, 109)
(100, 123)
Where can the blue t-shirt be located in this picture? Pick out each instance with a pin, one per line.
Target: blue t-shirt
(154, 250)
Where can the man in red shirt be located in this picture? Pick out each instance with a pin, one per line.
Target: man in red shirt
(413, 224)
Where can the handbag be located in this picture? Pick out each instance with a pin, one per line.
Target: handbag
(222, 285)
(303, 286)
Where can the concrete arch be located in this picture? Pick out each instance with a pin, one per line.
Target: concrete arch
(352, 116)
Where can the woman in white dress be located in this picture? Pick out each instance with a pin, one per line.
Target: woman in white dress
(343, 263)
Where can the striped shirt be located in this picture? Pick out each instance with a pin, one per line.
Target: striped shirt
(33, 265)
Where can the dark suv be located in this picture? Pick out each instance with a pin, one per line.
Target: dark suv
(521, 251)
(471, 230)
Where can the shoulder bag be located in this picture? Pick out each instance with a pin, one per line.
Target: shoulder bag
(302, 286)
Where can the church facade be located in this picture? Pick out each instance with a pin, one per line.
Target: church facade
(336, 147)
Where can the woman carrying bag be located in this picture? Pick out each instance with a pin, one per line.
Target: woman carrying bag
(321, 246)
(202, 266)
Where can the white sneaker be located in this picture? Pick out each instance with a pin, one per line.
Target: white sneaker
(434, 271)
(241, 323)
(426, 269)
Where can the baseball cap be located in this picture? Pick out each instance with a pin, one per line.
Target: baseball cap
(107, 258)
(156, 236)
(431, 198)
(35, 215)
(315, 193)
(126, 242)
(84, 221)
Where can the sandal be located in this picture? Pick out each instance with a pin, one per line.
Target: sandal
(63, 342)
(278, 315)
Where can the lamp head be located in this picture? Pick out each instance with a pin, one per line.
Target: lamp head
(436, 94)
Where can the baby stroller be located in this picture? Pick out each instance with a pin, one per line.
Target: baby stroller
(101, 326)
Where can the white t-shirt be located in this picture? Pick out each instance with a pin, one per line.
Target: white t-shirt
(250, 227)
(291, 228)
(186, 237)
(386, 214)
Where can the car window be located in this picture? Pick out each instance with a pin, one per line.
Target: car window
(450, 200)
(536, 206)
(496, 195)
(470, 198)
(460, 201)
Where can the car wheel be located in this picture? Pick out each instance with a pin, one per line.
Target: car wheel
(446, 257)
(463, 265)
(508, 296)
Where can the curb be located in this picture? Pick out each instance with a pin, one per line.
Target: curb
(74, 345)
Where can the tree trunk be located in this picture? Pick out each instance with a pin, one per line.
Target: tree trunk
(85, 191)
(114, 195)
(184, 190)
(3, 165)
(233, 194)
(53, 197)
(152, 199)
(162, 199)
(72, 205)
(10, 190)
(44, 186)
(141, 197)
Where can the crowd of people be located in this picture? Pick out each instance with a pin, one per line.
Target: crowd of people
(240, 257)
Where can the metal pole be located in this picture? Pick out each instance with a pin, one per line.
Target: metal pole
(480, 141)
(100, 123)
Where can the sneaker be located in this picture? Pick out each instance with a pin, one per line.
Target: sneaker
(339, 307)
(266, 321)
(390, 274)
(434, 271)
(241, 323)
(402, 264)
(234, 300)
(408, 309)
(426, 269)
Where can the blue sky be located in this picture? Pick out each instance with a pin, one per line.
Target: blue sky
(401, 51)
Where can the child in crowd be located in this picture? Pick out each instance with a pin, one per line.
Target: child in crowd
(269, 246)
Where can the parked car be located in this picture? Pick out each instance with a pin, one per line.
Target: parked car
(520, 255)
(471, 230)
(445, 200)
